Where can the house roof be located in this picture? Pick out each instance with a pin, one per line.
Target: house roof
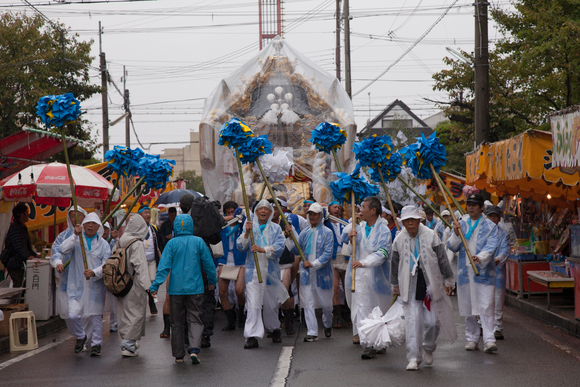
(368, 129)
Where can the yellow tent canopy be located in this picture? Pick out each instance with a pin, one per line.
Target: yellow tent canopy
(521, 165)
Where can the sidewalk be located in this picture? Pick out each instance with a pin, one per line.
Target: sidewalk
(558, 316)
(43, 328)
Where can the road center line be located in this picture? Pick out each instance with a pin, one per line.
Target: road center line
(34, 352)
(283, 367)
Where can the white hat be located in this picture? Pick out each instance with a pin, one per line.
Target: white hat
(445, 213)
(107, 225)
(316, 208)
(410, 212)
(422, 214)
(487, 203)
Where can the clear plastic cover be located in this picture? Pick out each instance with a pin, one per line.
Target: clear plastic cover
(281, 93)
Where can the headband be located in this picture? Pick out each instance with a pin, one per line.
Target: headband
(143, 209)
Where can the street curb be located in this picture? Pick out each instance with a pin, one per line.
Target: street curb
(43, 328)
(571, 326)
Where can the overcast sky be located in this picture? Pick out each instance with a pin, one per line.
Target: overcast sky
(176, 52)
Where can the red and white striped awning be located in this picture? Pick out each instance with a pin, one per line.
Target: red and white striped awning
(49, 184)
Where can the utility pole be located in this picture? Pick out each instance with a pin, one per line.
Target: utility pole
(127, 112)
(346, 16)
(481, 73)
(104, 95)
(337, 50)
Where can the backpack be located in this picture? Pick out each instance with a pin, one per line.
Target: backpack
(116, 275)
(207, 219)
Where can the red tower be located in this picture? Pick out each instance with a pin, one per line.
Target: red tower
(270, 20)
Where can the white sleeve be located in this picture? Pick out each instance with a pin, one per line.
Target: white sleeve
(68, 244)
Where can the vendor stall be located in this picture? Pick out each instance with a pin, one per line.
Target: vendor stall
(566, 157)
(540, 202)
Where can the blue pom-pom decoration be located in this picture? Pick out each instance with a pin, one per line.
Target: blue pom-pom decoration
(156, 170)
(341, 188)
(124, 161)
(328, 136)
(390, 168)
(425, 151)
(235, 133)
(58, 110)
(256, 147)
(372, 150)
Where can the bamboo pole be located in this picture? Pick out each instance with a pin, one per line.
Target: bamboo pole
(353, 241)
(338, 167)
(139, 183)
(463, 240)
(424, 200)
(393, 213)
(115, 186)
(247, 205)
(441, 183)
(74, 200)
(267, 184)
(141, 191)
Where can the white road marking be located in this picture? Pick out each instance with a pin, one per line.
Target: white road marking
(283, 367)
(26, 355)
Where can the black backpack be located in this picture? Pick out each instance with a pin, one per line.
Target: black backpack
(207, 219)
(116, 275)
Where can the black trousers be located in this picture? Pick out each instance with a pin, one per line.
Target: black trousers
(208, 307)
(185, 309)
(17, 276)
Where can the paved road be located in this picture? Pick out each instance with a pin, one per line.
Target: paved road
(533, 354)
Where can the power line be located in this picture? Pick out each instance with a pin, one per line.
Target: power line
(408, 50)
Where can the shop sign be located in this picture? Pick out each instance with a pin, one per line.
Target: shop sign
(566, 139)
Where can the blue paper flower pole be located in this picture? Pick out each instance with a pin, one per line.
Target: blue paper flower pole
(236, 134)
(347, 187)
(372, 152)
(59, 110)
(328, 137)
(426, 157)
(123, 161)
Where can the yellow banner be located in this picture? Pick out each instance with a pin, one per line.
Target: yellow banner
(520, 165)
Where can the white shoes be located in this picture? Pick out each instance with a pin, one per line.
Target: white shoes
(413, 366)
(490, 347)
(472, 346)
(127, 353)
(428, 357)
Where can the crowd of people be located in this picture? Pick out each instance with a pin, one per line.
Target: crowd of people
(277, 268)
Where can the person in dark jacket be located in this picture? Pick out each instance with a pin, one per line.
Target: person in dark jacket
(166, 229)
(18, 246)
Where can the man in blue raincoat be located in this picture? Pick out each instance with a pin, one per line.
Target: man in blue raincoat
(185, 255)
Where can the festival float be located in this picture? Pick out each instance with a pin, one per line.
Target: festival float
(282, 94)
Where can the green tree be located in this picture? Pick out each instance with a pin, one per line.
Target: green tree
(457, 140)
(33, 65)
(192, 181)
(534, 70)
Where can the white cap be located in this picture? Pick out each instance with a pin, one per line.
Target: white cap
(410, 212)
(445, 213)
(316, 208)
(423, 215)
(107, 225)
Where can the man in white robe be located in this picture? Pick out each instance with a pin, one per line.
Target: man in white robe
(372, 284)
(476, 294)
(132, 309)
(422, 276)
(316, 289)
(269, 245)
(86, 298)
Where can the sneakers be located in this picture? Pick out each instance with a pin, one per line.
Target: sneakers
(381, 351)
(80, 344)
(127, 353)
(194, 358)
(310, 339)
(276, 336)
(356, 340)
(113, 328)
(428, 357)
(96, 350)
(490, 347)
(179, 360)
(327, 332)
(252, 342)
(368, 353)
(413, 366)
(472, 346)
(498, 335)
(205, 343)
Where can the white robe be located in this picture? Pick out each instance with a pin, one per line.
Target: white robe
(132, 309)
